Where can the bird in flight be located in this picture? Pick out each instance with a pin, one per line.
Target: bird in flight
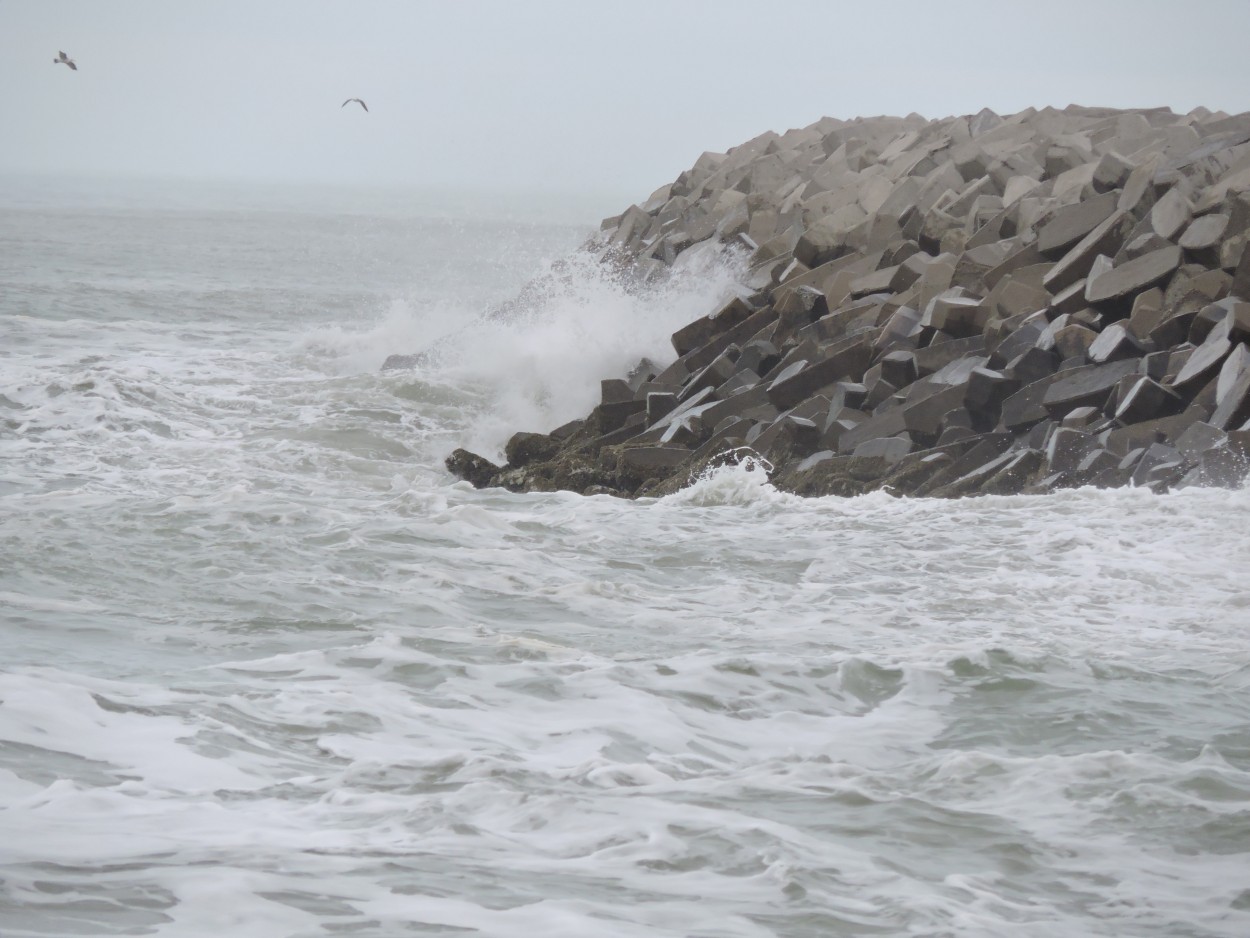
(357, 100)
(64, 59)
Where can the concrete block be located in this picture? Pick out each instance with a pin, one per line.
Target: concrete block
(659, 404)
(1139, 243)
(1106, 238)
(614, 416)
(1137, 198)
(1074, 340)
(890, 449)
(1146, 399)
(922, 418)
(1146, 312)
(886, 424)
(1111, 172)
(1031, 365)
(1198, 438)
(705, 328)
(723, 367)
(1232, 393)
(899, 368)
(1241, 275)
(1114, 343)
(938, 355)
(1205, 233)
(1159, 466)
(844, 359)
(645, 462)
(1073, 222)
(957, 316)
(745, 401)
(825, 240)
(1066, 448)
(1087, 386)
(1140, 274)
(760, 356)
(1005, 340)
(986, 390)
(1171, 214)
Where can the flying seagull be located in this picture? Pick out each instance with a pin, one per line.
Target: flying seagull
(64, 59)
(357, 100)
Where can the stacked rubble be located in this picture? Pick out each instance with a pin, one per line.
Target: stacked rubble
(973, 305)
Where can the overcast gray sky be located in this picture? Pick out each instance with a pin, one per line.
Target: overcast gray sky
(558, 94)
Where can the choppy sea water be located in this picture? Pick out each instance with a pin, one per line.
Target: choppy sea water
(267, 670)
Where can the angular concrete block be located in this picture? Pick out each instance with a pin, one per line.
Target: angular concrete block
(1066, 449)
(1146, 399)
(899, 368)
(1106, 238)
(1073, 222)
(843, 360)
(1074, 340)
(1033, 364)
(1241, 275)
(1114, 343)
(1232, 392)
(1171, 214)
(714, 374)
(957, 316)
(615, 391)
(1198, 438)
(923, 417)
(825, 240)
(704, 329)
(659, 404)
(1203, 363)
(1205, 233)
(1134, 276)
(986, 390)
(1112, 172)
(1087, 386)
(887, 424)
(890, 449)
(645, 462)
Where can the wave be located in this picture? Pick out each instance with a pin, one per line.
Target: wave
(536, 363)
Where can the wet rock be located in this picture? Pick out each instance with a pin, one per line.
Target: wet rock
(471, 467)
(1075, 279)
(1087, 386)
(525, 448)
(1146, 399)
(1232, 393)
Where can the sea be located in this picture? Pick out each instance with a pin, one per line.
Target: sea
(268, 670)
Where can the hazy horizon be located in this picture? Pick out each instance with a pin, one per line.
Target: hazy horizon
(554, 97)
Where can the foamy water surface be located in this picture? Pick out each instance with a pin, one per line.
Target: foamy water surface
(267, 670)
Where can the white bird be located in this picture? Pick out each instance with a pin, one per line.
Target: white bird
(64, 59)
(357, 100)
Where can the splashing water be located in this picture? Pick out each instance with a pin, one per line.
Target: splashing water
(266, 669)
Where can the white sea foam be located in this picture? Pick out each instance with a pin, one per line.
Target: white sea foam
(538, 364)
(271, 671)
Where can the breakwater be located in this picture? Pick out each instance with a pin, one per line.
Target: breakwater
(979, 304)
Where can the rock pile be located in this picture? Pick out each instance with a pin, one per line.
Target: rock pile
(978, 304)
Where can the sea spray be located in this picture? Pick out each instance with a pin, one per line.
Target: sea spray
(278, 675)
(537, 364)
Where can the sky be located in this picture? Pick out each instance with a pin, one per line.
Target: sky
(557, 95)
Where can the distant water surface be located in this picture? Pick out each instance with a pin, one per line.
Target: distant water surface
(267, 670)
